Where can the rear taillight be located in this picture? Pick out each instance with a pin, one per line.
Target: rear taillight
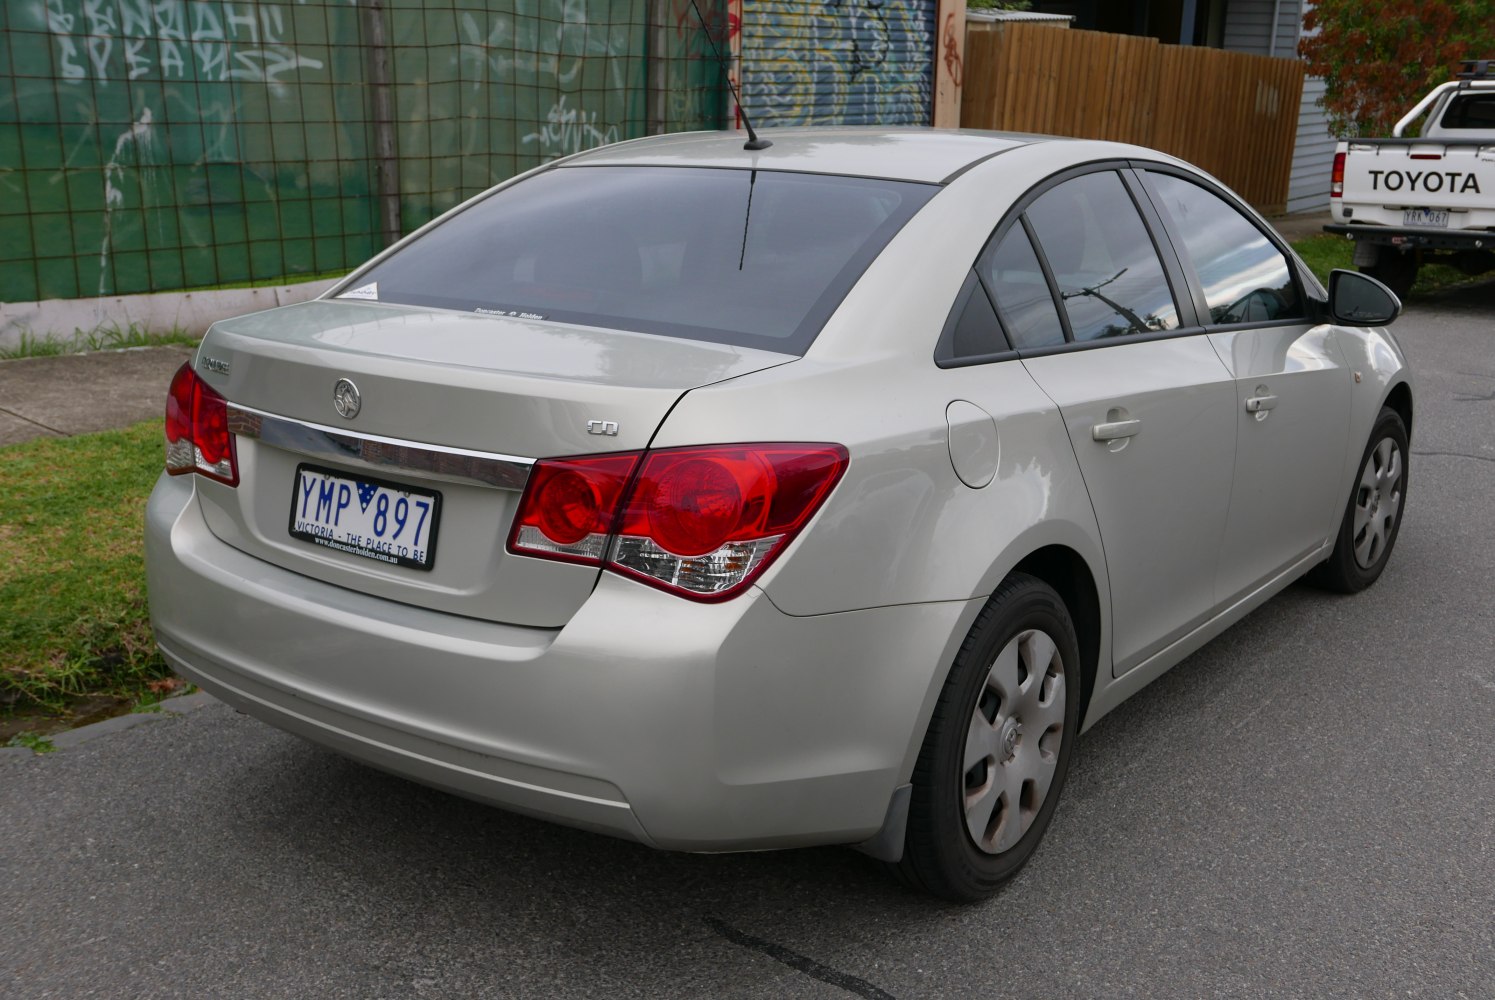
(568, 507)
(703, 523)
(197, 435)
(1336, 179)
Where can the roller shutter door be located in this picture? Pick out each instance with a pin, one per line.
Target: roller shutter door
(841, 62)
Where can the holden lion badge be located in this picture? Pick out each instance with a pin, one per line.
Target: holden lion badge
(346, 399)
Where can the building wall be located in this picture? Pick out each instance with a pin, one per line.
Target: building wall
(1248, 28)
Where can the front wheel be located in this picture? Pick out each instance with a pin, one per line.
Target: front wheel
(998, 746)
(1373, 516)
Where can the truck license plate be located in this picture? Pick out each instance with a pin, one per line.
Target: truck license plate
(1430, 217)
(371, 518)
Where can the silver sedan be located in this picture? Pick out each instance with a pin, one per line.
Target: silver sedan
(731, 499)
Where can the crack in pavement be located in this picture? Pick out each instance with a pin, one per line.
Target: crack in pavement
(34, 423)
(801, 963)
(1457, 454)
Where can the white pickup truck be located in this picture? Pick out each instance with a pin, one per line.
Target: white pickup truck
(1409, 200)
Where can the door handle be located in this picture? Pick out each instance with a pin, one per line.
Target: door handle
(1116, 430)
(1258, 404)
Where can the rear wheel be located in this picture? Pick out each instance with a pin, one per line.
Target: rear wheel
(998, 746)
(1395, 269)
(1373, 516)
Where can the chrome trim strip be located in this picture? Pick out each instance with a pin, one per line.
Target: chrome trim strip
(480, 468)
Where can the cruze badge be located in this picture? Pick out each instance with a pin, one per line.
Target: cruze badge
(608, 427)
(345, 398)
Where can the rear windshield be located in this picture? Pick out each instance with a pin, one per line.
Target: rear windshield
(1476, 111)
(747, 257)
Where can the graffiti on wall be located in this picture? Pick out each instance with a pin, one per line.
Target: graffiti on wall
(842, 62)
(171, 40)
(161, 144)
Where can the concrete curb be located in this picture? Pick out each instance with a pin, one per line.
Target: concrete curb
(192, 312)
(182, 704)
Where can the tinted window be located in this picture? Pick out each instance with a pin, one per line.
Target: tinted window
(1108, 273)
(1022, 295)
(1246, 279)
(754, 258)
(1470, 111)
(976, 332)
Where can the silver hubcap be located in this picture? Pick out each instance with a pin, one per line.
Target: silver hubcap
(1378, 502)
(1012, 745)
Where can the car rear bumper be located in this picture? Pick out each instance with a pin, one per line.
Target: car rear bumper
(684, 726)
(1429, 239)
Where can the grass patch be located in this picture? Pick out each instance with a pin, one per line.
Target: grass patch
(34, 742)
(73, 618)
(104, 338)
(1325, 252)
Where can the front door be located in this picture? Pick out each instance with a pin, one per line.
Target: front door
(1292, 387)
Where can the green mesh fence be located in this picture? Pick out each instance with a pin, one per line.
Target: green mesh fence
(151, 145)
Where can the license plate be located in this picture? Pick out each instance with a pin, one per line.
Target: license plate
(371, 518)
(1425, 217)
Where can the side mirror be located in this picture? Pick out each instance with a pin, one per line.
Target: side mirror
(1357, 299)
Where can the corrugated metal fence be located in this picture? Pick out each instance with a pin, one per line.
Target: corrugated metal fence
(1233, 114)
(842, 62)
(150, 145)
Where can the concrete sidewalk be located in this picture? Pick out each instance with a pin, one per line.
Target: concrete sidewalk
(80, 393)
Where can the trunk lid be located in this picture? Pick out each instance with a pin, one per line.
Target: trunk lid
(450, 403)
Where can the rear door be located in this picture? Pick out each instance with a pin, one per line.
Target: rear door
(1292, 386)
(1091, 307)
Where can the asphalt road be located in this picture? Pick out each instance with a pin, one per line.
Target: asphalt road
(1305, 808)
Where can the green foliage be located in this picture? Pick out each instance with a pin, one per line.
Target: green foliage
(73, 617)
(34, 742)
(1324, 253)
(999, 4)
(1378, 57)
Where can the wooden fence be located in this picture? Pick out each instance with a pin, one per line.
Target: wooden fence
(1233, 114)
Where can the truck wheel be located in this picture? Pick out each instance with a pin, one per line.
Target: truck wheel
(1394, 269)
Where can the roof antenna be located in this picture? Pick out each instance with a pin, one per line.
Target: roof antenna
(754, 143)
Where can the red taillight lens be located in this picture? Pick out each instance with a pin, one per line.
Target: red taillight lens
(197, 434)
(703, 523)
(568, 506)
(706, 522)
(1336, 179)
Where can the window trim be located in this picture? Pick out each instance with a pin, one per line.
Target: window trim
(1141, 168)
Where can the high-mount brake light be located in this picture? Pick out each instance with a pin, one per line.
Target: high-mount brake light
(1336, 179)
(701, 522)
(197, 435)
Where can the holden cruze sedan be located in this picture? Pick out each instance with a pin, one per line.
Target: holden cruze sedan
(731, 499)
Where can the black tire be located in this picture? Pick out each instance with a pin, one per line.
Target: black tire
(1358, 558)
(1395, 269)
(941, 856)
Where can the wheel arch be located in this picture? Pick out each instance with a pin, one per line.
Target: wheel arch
(1400, 400)
(1064, 569)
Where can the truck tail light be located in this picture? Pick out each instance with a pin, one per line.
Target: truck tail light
(1336, 179)
(197, 435)
(703, 523)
